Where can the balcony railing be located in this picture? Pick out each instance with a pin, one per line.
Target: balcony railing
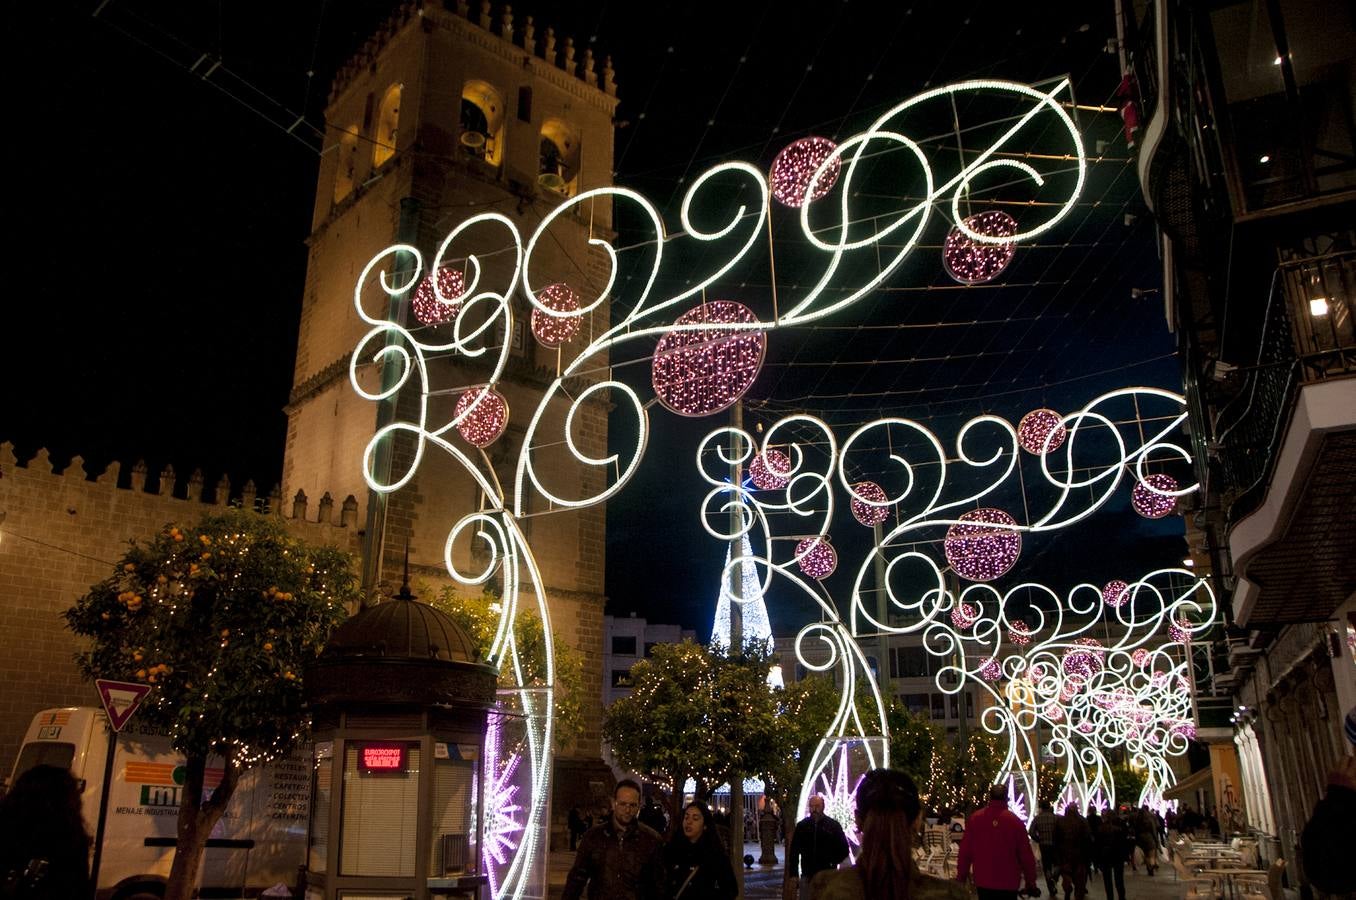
(1307, 336)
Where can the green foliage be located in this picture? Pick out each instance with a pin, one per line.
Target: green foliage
(699, 714)
(948, 774)
(219, 618)
(480, 617)
(805, 710)
(914, 744)
(1129, 782)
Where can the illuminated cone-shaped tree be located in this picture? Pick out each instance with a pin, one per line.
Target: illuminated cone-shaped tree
(219, 619)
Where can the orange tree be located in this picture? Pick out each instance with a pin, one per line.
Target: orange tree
(219, 619)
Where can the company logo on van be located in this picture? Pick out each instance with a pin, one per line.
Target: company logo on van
(161, 783)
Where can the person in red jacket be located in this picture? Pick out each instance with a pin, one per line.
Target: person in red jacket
(997, 846)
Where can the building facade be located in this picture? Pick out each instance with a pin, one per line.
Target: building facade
(628, 640)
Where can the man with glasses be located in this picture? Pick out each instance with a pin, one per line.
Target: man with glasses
(619, 859)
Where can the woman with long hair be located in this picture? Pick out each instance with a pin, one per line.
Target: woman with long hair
(888, 815)
(696, 862)
(44, 848)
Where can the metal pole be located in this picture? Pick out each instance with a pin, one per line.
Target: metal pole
(882, 616)
(103, 811)
(736, 631)
(374, 534)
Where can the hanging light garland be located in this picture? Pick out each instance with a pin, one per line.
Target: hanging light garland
(553, 331)
(426, 303)
(699, 372)
(796, 165)
(974, 262)
(979, 548)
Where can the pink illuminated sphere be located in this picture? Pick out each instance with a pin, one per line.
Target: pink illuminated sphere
(865, 512)
(964, 615)
(990, 669)
(428, 309)
(1019, 633)
(1038, 426)
(1054, 712)
(1152, 498)
(486, 422)
(769, 470)
(979, 548)
(699, 372)
(1180, 631)
(816, 557)
(974, 262)
(796, 165)
(1115, 593)
(553, 331)
(1140, 657)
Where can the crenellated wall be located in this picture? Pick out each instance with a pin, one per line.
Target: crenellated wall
(63, 530)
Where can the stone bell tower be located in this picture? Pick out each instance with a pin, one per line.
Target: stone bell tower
(446, 113)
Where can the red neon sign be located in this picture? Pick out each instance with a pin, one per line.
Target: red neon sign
(381, 758)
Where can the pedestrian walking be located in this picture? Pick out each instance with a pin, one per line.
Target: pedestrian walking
(653, 815)
(1043, 833)
(1326, 841)
(888, 814)
(696, 862)
(1111, 845)
(1073, 845)
(44, 848)
(619, 859)
(1146, 836)
(996, 846)
(817, 844)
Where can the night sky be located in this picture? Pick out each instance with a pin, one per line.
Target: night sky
(160, 224)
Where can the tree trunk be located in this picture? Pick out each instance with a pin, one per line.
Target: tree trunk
(676, 807)
(197, 818)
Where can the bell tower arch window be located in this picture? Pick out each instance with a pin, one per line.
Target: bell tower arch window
(482, 121)
(388, 122)
(558, 170)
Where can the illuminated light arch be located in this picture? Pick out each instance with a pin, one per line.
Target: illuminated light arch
(486, 317)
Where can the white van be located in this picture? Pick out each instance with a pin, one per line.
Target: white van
(259, 843)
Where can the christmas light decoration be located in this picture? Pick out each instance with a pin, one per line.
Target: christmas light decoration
(439, 305)
(793, 174)
(1154, 497)
(1019, 633)
(1140, 656)
(983, 545)
(867, 497)
(696, 373)
(1180, 631)
(991, 669)
(482, 415)
(964, 616)
(502, 830)
(1039, 427)
(770, 470)
(554, 330)
(1115, 592)
(840, 799)
(756, 625)
(816, 557)
(971, 262)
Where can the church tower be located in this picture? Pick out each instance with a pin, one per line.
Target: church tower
(444, 114)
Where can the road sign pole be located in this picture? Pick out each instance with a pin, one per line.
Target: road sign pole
(103, 811)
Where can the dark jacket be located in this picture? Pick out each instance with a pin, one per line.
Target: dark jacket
(1112, 842)
(1326, 842)
(617, 865)
(1073, 839)
(816, 846)
(713, 878)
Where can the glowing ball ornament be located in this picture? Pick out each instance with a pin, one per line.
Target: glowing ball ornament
(704, 370)
(1115, 593)
(1019, 633)
(487, 421)
(979, 547)
(1054, 713)
(964, 615)
(1180, 631)
(1186, 729)
(866, 512)
(553, 331)
(973, 262)
(796, 165)
(1037, 427)
(428, 309)
(1152, 498)
(816, 557)
(769, 471)
(1083, 661)
(1140, 657)
(991, 669)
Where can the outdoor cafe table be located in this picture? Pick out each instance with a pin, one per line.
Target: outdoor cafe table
(1227, 875)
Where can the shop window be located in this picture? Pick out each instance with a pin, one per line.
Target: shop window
(621, 678)
(482, 121)
(558, 168)
(624, 646)
(346, 173)
(388, 130)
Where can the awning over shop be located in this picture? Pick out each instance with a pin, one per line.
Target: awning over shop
(1189, 785)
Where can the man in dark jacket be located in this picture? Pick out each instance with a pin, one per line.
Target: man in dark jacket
(1326, 843)
(1042, 831)
(818, 843)
(619, 859)
(1073, 845)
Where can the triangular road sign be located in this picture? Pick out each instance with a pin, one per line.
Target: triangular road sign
(120, 699)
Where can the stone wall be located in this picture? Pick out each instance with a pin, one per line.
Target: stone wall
(63, 530)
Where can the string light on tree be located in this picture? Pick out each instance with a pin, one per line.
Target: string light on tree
(816, 557)
(486, 421)
(1153, 497)
(1115, 592)
(796, 165)
(979, 547)
(430, 310)
(974, 262)
(865, 496)
(770, 470)
(699, 372)
(553, 331)
(1039, 426)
